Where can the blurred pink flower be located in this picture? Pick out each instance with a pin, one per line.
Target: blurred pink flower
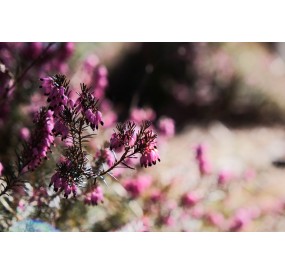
(166, 126)
(138, 185)
(24, 133)
(216, 219)
(205, 167)
(1, 169)
(139, 115)
(240, 220)
(224, 177)
(95, 196)
(190, 199)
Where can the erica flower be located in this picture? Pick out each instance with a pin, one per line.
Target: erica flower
(204, 164)
(60, 129)
(190, 199)
(149, 157)
(105, 156)
(116, 142)
(224, 177)
(1, 169)
(166, 126)
(94, 119)
(137, 186)
(139, 115)
(47, 84)
(42, 138)
(125, 138)
(63, 181)
(95, 196)
(24, 133)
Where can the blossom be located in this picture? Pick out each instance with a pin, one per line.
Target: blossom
(42, 139)
(95, 196)
(62, 184)
(94, 119)
(105, 155)
(190, 199)
(215, 218)
(139, 115)
(1, 168)
(149, 157)
(61, 129)
(24, 133)
(166, 126)
(224, 177)
(240, 220)
(204, 164)
(138, 185)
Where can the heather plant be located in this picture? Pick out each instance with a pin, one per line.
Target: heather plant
(69, 161)
(73, 123)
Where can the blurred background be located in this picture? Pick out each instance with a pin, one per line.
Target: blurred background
(218, 109)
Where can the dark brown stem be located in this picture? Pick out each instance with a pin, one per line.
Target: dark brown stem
(123, 157)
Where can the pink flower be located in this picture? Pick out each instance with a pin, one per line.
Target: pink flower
(42, 139)
(190, 199)
(60, 129)
(137, 186)
(105, 155)
(204, 164)
(47, 85)
(95, 196)
(62, 183)
(224, 177)
(94, 119)
(216, 219)
(240, 220)
(156, 196)
(166, 127)
(139, 115)
(149, 157)
(1, 169)
(24, 133)
(116, 143)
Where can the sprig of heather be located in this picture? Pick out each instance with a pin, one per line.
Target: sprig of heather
(72, 120)
(132, 140)
(33, 153)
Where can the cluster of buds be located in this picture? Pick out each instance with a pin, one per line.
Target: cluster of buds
(202, 159)
(95, 196)
(125, 137)
(190, 199)
(87, 104)
(66, 178)
(41, 140)
(137, 186)
(130, 139)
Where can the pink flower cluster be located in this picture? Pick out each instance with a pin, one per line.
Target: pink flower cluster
(202, 159)
(64, 184)
(105, 156)
(119, 141)
(166, 126)
(138, 115)
(149, 156)
(94, 118)
(95, 196)
(136, 186)
(42, 138)
(96, 75)
(190, 199)
(87, 104)
(1, 169)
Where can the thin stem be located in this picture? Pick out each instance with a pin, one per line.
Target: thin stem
(123, 157)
